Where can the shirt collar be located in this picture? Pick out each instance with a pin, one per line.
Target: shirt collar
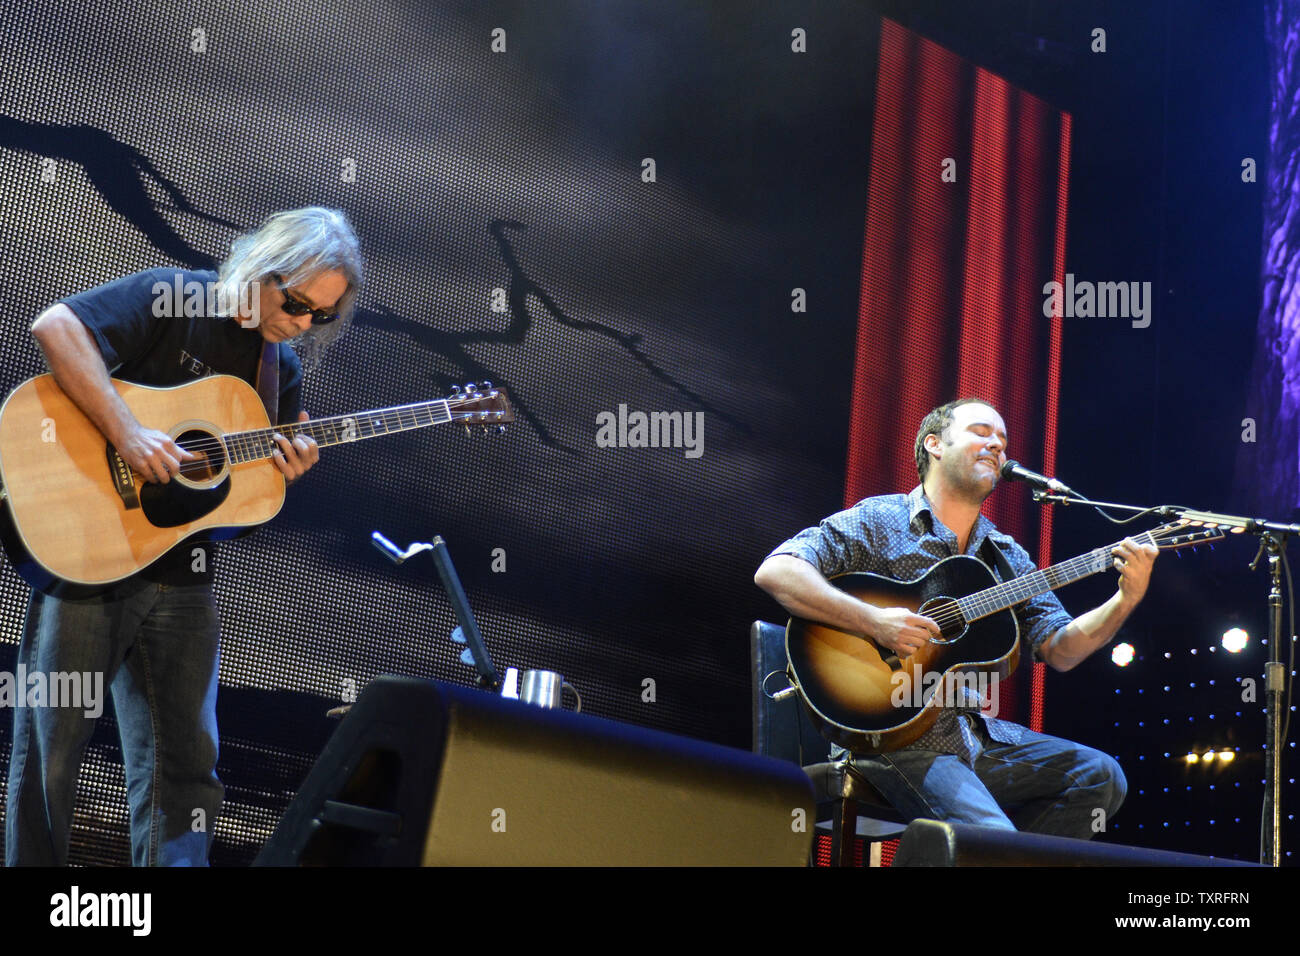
(918, 504)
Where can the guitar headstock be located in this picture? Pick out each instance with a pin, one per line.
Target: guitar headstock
(481, 404)
(1184, 534)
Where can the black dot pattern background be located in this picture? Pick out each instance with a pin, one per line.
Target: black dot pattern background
(475, 177)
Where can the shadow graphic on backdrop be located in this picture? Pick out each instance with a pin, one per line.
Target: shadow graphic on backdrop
(451, 346)
(119, 172)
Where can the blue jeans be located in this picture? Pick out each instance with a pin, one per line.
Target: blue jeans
(1041, 785)
(156, 647)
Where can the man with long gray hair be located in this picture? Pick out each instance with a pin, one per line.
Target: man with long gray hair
(154, 636)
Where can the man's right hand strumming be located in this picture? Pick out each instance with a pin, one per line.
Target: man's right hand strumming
(901, 630)
(152, 454)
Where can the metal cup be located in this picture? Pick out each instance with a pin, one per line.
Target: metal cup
(546, 689)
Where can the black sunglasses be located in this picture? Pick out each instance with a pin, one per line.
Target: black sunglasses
(292, 306)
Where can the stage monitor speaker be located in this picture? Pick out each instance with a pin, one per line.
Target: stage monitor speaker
(932, 843)
(426, 773)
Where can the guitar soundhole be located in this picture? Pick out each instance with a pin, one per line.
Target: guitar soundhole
(210, 466)
(945, 612)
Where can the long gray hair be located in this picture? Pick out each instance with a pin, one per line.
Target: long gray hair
(298, 244)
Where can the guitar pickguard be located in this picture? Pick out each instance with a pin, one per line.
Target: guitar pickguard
(173, 504)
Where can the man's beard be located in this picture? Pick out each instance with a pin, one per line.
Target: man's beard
(966, 486)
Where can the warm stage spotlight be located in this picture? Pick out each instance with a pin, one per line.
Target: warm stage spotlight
(1122, 654)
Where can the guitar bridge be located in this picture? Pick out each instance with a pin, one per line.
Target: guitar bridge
(123, 479)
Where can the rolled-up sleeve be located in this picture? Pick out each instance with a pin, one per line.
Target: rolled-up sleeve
(839, 544)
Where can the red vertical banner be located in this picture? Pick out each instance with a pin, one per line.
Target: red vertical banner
(965, 225)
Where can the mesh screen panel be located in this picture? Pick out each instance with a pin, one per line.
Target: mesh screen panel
(511, 234)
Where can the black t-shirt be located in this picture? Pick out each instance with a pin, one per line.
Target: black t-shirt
(145, 335)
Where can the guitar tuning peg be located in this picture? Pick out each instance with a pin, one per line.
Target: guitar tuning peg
(467, 431)
(455, 390)
(482, 429)
(471, 387)
(501, 429)
(487, 384)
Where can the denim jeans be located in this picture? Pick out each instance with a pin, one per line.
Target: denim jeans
(1041, 785)
(156, 646)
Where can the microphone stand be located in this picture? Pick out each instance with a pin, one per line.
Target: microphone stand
(1273, 541)
(476, 654)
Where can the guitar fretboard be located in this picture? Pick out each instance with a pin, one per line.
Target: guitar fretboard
(1010, 593)
(259, 443)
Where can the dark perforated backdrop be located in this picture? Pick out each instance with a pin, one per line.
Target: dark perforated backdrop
(476, 171)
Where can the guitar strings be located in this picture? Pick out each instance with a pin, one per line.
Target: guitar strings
(1022, 588)
(249, 440)
(1026, 586)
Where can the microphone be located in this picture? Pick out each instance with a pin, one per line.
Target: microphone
(1014, 471)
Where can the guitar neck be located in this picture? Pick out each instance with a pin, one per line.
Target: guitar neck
(259, 443)
(1010, 593)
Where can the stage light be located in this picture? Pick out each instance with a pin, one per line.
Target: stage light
(1234, 640)
(1122, 654)
(1191, 758)
(1226, 756)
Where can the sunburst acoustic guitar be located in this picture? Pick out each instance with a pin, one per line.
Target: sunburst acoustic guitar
(76, 519)
(865, 698)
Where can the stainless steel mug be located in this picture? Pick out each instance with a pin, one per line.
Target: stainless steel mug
(546, 689)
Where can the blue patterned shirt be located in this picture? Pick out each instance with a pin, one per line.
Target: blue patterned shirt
(898, 536)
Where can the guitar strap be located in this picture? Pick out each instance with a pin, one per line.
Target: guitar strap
(268, 380)
(1000, 563)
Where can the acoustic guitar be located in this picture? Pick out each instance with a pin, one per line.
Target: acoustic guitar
(76, 519)
(865, 698)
